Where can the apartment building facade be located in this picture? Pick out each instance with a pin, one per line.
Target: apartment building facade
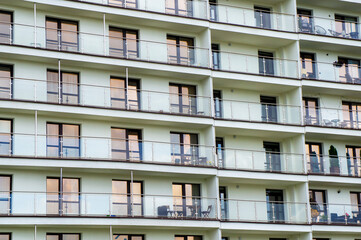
(180, 119)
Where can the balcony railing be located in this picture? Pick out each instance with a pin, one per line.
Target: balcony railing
(103, 96)
(260, 112)
(335, 72)
(103, 45)
(251, 17)
(240, 159)
(263, 211)
(106, 205)
(254, 64)
(193, 8)
(333, 117)
(334, 165)
(347, 214)
(113, 149)
(329, 27)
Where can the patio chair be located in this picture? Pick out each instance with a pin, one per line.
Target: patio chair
(207, 212)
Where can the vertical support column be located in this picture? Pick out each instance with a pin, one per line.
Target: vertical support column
(35, 232)
(36, 134)
(110, 232)
(35, 27)
(104, 36)
(59, 82)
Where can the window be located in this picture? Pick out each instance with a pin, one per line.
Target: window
(63, 140)
(123, 43)
(184, 148)
(63, 236)
(262, 16)
(269, 109)
(356, 204)
(314, 155)
(216, 56)
(318, 205)
(6, 27)
(187, 237)
(62, 35)
(125, 202)
(273, 156)
(68, 87)
(6, 81)
(183, 98)
(351, 114)
(6, 136)
(275, 205)
(346, 26)
(311, 111)
(220, 151)
(123, 96)
(180, 50)
(308, 65)
(349, 70)
(124, 3)
(305, 20)
(265, 63)
(223, 202)
(5, 236)
(126, 144)
(213, 10)
(353, 157)
(179, 7)
(186, 199)
(218, 109)
(5, 195)
(63, 199)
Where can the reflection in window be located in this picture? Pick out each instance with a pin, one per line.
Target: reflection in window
(305, 20)
(186, 199)
(349, 70)
(351, 114)
(123, 97)
(213, 10)
(346, 26)
(218, 108)
(183, 98)
(68, 87)
(184, 148)
(6, 27)
(123, 43)
(308, 64)
(126, 144)
(315, 159)
(127, 198)
(5, 137)
(62, 35)
(63, 140)
(64, 198)
(180, 50)
(6, 81)
(311, 111)
(124, 3)
(5, 195)
(353, 157)
(179, 7)
(216, 56)
(63, 236)
(318, 205)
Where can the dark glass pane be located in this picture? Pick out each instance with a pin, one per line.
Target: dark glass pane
(5, 27)
(5, 82)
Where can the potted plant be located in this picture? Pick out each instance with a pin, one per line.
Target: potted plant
(334, 162)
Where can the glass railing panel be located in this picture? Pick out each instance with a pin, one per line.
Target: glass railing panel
(259, 211)
(329, 27)
(250, 17)
(238, 62)
(346, 214)
(257, 112)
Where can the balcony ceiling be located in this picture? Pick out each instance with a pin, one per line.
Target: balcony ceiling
(327, 45)
(340, 5)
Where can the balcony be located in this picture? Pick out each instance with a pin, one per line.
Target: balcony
(348, 29)
(107, 149)
(334, 72)
(105, 45)
(333, 117)
(263, 211)
(334, 165)
(262, 161)
(340, 214)
(112, 97)
(254, 64)
(186, 8)
(258, 112)
(252, 17)
(75, 204)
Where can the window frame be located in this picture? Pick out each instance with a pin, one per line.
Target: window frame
(129, 201)
(62, 88)
(10, 192)
(124, 50)
(126, 99)
(6, 234)
(61, 235)
(11, 35)
(59, 42)
(11, 88)
(127, 142)
(190, 49)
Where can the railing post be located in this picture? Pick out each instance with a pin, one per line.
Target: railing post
(35, 27)
(104, 36)
(253, 166)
